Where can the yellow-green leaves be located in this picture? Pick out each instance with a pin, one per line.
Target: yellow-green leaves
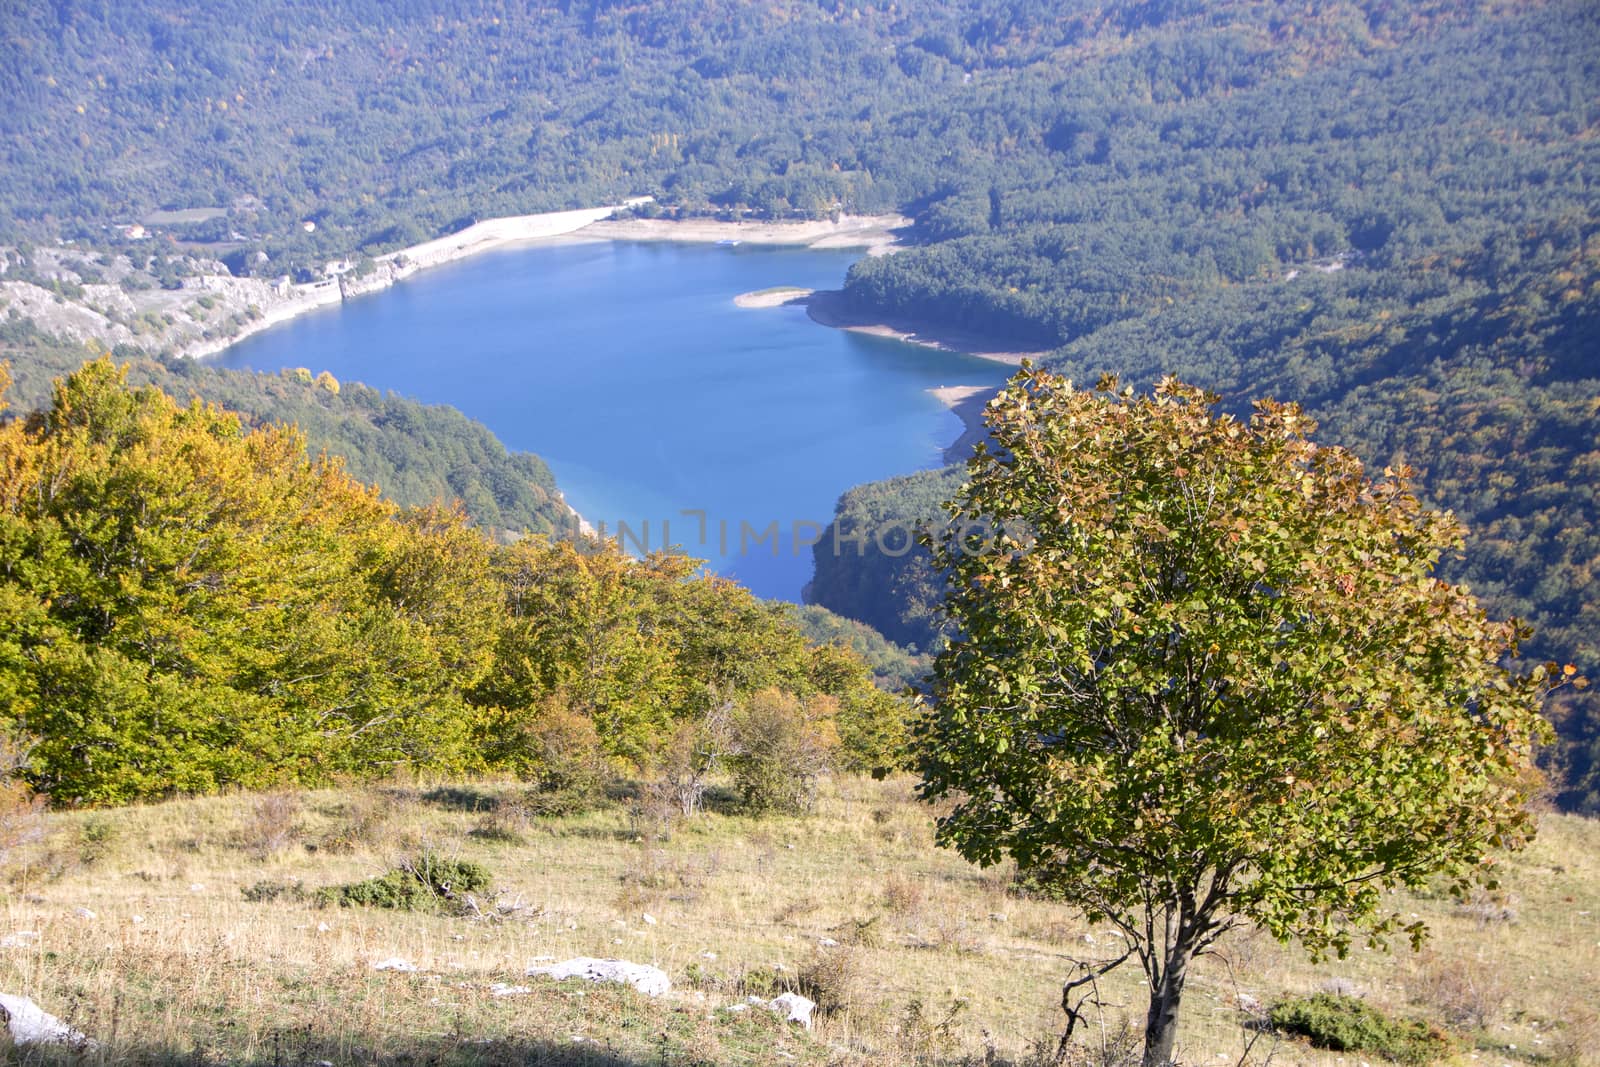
(186, 605)
(1236, 635)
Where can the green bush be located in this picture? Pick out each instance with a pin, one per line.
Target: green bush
(424, 884)
(1349, 1024)
(266, 891)
(96, 838)
(781, 748)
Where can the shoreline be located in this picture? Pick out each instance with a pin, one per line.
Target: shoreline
(827, 307)
(275, 304)
(776, 297)
(967, 403)
(392, 267)
(874, 233)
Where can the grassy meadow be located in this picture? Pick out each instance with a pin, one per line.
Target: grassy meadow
(189, 932)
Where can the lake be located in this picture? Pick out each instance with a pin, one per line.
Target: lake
(654, 399)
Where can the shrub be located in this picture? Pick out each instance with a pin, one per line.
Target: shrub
(763, 982)
(558, 750)
(1464, 992)
(781, 748)
(21, 809)
(266, 891)
(692, 754)
(902, 895)
(271, 825)
(863, 932)
(1577, 1037)
(929, 1035)
(365, 820)
(830, 978)
(506, 824)
(425, 883)
(1120, 1044)
(96, 838)
(1346, 1024)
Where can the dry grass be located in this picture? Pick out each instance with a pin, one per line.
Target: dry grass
(934, 963)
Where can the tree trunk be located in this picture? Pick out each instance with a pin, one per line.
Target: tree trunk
(1161, 1023)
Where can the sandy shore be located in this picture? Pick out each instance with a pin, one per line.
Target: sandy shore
(274, 303)
(773, 298)
(952, 396)
(968, 402)
(827, 307)
(490, 234)
(875, 233)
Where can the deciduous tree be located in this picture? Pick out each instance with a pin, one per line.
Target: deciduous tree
(1204, 676)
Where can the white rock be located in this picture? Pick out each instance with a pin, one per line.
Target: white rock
(32, 1025)
(20, 939)
(649, 920)
(650, 981)
(737, 1007)
(795, 1007)
(827, 942)
(395, 964)
(83, 913)
(323, 928)
(500, 989)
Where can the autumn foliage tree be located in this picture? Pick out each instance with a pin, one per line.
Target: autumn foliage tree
(189, 603)
(1203, 676)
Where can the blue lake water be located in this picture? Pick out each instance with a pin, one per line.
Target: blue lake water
(650, 394)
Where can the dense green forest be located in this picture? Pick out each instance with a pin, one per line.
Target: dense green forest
(894, 667)
(1481, 377)
(187, 604)
(1060, 156)
(1383, 210)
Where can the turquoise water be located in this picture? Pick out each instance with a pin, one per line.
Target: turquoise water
(650, 394)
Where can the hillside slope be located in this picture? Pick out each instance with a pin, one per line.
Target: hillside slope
(198, 937)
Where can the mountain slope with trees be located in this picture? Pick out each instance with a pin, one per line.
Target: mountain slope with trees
(1383, 211)
(187, 605)
(1481, 378)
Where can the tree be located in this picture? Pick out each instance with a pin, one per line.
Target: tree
(1203, 676)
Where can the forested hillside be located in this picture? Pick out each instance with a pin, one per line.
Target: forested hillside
(1067, 150)
(1478, 371)
(1383, 210)
(186, 605)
